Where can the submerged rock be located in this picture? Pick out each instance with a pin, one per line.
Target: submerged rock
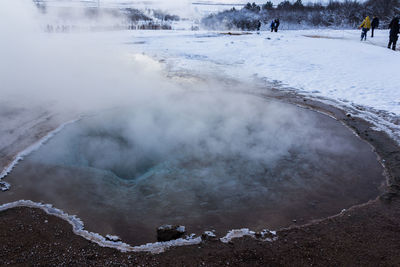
(170, 232)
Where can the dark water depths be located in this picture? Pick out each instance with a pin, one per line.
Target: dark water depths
(126, 185)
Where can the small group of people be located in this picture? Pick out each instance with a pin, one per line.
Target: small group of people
(367, 24)
(58, 28)
(275, 25)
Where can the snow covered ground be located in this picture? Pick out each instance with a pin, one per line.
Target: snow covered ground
(332, 65)
(341, 67)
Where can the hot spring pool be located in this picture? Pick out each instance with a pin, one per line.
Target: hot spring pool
(215, 162)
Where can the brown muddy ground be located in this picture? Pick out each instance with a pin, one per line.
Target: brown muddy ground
(367, 235)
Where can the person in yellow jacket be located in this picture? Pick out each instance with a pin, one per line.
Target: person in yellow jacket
(365, 26)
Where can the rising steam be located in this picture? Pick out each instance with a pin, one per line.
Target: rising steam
(77, 72)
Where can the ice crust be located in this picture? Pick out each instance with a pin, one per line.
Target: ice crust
(238, 233)
(209, 233)
(112, 241)
(78, 228)
(4, 186)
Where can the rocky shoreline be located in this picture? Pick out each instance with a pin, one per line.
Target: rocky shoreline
(363, 235)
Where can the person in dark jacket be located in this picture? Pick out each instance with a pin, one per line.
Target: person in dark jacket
(272, 26)
(394, 31)
(374, 25)
(277, 22)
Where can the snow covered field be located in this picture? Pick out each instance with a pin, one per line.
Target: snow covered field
(341, 69)
(331, 65)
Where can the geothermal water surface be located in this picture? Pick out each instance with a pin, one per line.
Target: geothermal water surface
(206, 161)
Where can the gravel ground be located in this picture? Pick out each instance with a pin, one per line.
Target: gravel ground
(363, 236)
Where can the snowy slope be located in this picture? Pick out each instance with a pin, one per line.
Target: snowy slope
(342, 69)
(330, 64)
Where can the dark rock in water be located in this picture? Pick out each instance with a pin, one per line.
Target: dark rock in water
(170, 232)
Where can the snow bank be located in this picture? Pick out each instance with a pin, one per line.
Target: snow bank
(330, 65)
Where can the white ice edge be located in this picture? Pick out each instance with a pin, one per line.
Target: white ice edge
(368, 114)
(113, 238)
(238, 233)
(210, 234)
(78, 229)
(35, 146)
(155, 248)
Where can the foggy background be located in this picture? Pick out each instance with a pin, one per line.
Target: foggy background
(74, 72)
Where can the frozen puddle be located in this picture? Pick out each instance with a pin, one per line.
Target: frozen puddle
(206, 161)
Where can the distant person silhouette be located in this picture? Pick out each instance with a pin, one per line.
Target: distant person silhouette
(276, 25)
(394, 31)
(374, 25)
(258, 26)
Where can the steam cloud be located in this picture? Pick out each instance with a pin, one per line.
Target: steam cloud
(73, 72)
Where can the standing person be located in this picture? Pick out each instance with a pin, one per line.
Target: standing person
(374, 25)
(272, 26)
(276, 24)
(365, 26)
(394, 31)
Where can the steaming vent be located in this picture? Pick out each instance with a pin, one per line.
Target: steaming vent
(132, 164)
(209, 161)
